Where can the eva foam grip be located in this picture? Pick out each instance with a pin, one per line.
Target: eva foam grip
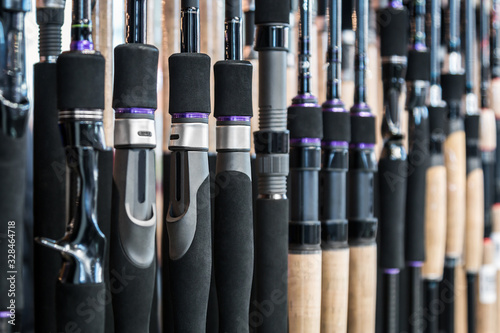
(80, 81)
(362, 129)
(271, 266)
(418, 162)
(419, 64)
(233, 249)
(136, 67)
(392, 198)
(274, 11)
(453, 87)
(394, 26)
(49, 193)
(233, 88)
(336, 126)
(80, 307)
(189, 83)
(305, 122)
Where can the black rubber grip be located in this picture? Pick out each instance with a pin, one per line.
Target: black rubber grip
(80, 307)
(190, 3)
(233, 9)
(471, 302)
(489, 195)
(419, 64)
(233, 249)
(437, 120)
(189, 83)
(233, 88)
(190, 275)
(394, 31)
(249, 27)
(322, 7)
(271, 266)
(80, 81)
(272, 11)
(431, 298)
(336, 126)
(305, 122)
(390, 303)
(50, 21)
(418, 162)
(392, 194)
(49, 194)
(453, 87)
(497, 165)
(471, 124)
(447, 287)
(135, 76)
(362, 129)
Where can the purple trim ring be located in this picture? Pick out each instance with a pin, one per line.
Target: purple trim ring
(81, 45)
(4, 314)
(342, 144)
(233, 118)
(305, 140)
(362, 145)
(415, 263)
(195, 115)
(135, 110)
(391, 271)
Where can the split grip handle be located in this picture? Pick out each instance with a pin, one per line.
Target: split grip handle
(233, 241)
(80, 307)
(189, 232)
(132, 247)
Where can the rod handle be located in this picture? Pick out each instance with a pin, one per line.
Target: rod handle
(486, 306)
(474, 220)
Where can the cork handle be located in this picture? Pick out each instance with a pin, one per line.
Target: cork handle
(304, 293)
(487, 130)
(435, 222)
(486, 306)
(454, 149)
(335, 286)
(474, 221)
(461, 298)
(496, 241)
(362, 289)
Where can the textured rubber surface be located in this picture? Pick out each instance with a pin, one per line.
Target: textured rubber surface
(49, 194)
(271, 265)
(336, 126)
(233, 249)
(305, 122)
(50, 21)
(233, 88)
(391, 303)
(392, 194)
(418, 162)
(190, 290)
(189, 83)
(272, 11)
(419, 63)
(393, 25)
(362, 129)
(135, 76)
(80, 81)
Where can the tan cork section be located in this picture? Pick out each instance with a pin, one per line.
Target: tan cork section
(335, 291)
(362, 289)
(495, 96)
(304, 293)
(474, 221)
(496, 229)
(487, 130)
(454, 149)
(461, 299)
(486, 312)
(435, 222)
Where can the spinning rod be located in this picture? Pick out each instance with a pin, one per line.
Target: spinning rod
(306, 132)
(272, 146)
(333, 184)
(14, 112)
(362, 167)
(233, 217)
(133, 228)
(80, 100)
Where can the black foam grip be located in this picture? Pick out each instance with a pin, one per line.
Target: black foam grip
(419, 64)
(49, 194)
(437, 120)
(249, 27)
(471, 124)
(390, 303)
(80, 307)
(233, 9)
(362, 129)
(471, 302)
(453, 87)
(272, 11)
(136, 67)
(489, 195)
(336, 126)
(190, 3)
(190, 275)
(233, 249)
(189, 83)
(305, 122)
(447, 287)
(394, 31)
(392, 193)
(497, 165)
(431, 298)
(80, 81)
(233, 88)
(418, 162)
(271, 266)
(322, 7)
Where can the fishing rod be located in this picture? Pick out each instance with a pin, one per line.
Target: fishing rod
(393, 158)
(486, 321)
(249, 20)
(233, 219)
(271, 146)
(333, 184)
(306, 131)
(320, 23)
(188, 218)
(417, 81)
(455, 161)
(362, 167)
(49, 186)
(435, 185)
(80, 100)
(474, 182)
(14, 112)
(132, 242)
(348, 42)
